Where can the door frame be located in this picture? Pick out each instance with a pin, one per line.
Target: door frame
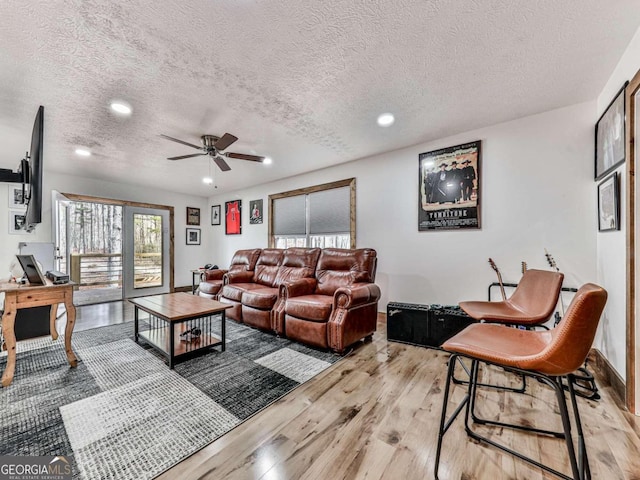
(632, 395)
(87, 198)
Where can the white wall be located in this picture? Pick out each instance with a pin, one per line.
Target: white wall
(611, 247)
(186, 256)
(537, 192)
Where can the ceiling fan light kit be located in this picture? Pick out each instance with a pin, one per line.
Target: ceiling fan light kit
(214, 147)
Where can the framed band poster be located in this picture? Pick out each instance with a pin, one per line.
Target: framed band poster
(449, 188)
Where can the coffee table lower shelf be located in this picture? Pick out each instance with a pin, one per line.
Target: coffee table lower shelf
(160, 339)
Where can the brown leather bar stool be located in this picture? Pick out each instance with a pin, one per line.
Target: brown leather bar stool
(549, 356)
(531, 304)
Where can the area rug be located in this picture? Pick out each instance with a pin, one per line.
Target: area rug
(122, 414)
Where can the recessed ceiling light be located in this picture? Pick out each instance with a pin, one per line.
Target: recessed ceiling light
(267, 160)
(121, 107)
(386, 120)
(207, 180)
(83, 152)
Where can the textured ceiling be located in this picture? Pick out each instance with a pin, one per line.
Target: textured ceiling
(300, 81)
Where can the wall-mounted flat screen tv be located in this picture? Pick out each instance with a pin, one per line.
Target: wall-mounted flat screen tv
(34, 176)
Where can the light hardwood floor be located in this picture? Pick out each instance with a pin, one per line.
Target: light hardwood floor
(375, 415)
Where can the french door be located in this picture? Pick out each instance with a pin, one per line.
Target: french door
(113, 249)
(146, 251)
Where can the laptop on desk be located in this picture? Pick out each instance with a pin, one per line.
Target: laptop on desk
(31, 269)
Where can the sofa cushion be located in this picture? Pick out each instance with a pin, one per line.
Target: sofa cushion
(235, 291)
(244, 260)
(297, 263)
(263, 298)
(210, 286)
(316, 308)
(267, 266)
(342, 267)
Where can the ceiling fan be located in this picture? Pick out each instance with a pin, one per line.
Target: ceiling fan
(214, 146)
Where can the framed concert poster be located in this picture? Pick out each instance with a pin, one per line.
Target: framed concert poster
(215, 215)
(193, 216)
(255, 206)
(233, 217)
(610, 133)
(449, 188)
(609, 204)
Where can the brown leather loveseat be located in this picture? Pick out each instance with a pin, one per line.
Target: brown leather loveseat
(325, 298)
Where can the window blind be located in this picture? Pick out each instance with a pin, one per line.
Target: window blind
(329, 211)
(289, 216)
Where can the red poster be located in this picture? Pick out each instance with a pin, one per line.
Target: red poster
(233, 223)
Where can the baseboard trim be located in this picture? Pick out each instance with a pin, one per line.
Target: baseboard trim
(183, 289)
(606, 372)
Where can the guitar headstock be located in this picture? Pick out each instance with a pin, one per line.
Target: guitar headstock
(550, 260)
(524, 267)
(493, 264)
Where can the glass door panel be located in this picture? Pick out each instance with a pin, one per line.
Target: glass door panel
(146, 251)
(147, 248)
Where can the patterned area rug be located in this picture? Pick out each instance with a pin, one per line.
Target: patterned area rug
(123, 414)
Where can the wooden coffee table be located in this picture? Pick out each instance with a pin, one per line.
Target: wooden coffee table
(173, 314)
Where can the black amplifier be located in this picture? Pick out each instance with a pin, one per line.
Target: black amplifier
(424, 325)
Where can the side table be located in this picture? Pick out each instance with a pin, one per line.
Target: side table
(194, 272)
(18, 296)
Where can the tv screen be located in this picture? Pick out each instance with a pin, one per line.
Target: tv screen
(34, 207)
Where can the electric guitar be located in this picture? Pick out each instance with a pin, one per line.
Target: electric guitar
(552, 263)
(495, 269)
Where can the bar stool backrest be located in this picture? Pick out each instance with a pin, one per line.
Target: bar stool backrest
(571, 340)
(537, 294)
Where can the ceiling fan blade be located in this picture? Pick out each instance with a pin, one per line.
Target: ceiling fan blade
(224, 166)
(186, 156)
(242, 156)
(180, 141)
(226, 140)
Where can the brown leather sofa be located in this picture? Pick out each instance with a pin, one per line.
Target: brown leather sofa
(337, 307)
(242, 261)
(325, 298)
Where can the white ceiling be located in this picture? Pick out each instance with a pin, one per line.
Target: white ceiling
(299, 81)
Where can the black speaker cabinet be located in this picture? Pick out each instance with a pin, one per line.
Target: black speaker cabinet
(424, 325)
(408, 323)
(445, 322)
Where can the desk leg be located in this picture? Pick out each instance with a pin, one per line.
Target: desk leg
(71, 322)
(52, 321)
(8, 321)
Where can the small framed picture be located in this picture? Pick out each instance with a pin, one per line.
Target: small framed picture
(16, 196)
(16, 222)
(232, 217)
(193, 216)
(215, 215)
(609, 204)
(610, 132)
(256, 212)
(193, 236)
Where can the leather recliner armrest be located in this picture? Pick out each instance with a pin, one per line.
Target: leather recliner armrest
(356, 294)
(237, 277)
(213, 274)
(297, 288)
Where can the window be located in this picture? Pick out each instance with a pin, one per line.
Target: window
(321, 216)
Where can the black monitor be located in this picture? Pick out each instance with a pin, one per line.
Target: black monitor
(31, 269)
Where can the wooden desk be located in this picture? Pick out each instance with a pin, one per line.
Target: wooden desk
(18, 296)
